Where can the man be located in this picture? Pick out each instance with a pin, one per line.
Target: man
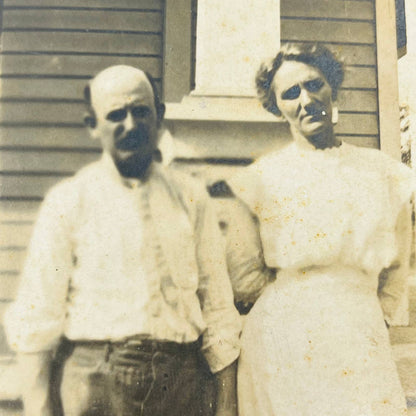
(125, 277)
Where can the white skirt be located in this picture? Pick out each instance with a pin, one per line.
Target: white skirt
(315, 344)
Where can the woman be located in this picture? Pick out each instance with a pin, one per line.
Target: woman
(331, 217)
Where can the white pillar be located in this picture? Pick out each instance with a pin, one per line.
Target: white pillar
(233, 38)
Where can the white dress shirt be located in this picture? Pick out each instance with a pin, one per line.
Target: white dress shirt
(111, 258)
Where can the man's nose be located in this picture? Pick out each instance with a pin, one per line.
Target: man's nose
(129, 122)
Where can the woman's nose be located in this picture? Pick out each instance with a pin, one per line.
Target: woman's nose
(305, 97)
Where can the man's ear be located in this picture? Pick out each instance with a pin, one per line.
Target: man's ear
(160, 114)
(90, 119)
(90, 122)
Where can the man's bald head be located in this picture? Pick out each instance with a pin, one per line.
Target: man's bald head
(125, 116)
(114, 80)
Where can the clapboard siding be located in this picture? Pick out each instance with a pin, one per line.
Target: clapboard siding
(49, 51)
(45, 161)
(87, 42)
(67, 19)
(28, 186)
(18, 233)
(75, 65)
(8, 286)
(46, 137)
(319, 30)
(28, 88)
(89, 4)
(360, 77)
(328, 8)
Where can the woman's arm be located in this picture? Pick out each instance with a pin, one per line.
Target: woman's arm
(393, 287)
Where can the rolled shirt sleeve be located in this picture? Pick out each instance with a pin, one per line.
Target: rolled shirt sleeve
(35, 321)
(244, 252)
(221, 338)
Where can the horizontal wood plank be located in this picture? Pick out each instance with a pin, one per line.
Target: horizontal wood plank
(44, 88)
(362, 141)
(75, 65)
(357, 124)
(26, 112)
(82, 42)
(9, 284)
(321, 31)
(30, 186)
(15, 234)
(355, 54)
(82, 19)
(360, 77)
(12, 260)
(125, 4)
(352, 100)
(340, 9)
(55, 88)
(18, 211)
(50, 137)
(45, 161)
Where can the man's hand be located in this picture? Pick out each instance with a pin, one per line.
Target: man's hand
(227, 394)
(35, 372)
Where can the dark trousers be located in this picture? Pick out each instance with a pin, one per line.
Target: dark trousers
(133, 379)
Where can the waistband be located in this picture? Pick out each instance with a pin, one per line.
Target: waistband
(141, 343)
(347, 276)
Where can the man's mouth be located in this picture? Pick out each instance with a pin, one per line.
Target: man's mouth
(133, 140)
(314, 115)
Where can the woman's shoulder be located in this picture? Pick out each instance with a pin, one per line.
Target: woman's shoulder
(399, 177)
(376, 159)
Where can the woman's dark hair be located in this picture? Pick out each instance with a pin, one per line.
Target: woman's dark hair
(313, 54)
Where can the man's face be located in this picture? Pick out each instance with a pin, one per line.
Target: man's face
(126, 119)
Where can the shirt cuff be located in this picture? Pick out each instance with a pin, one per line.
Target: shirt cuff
(221, 355)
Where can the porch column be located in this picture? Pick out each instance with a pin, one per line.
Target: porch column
(233, 38)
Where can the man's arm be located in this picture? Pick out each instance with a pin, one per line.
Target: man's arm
(35, 322)
(244, 253)
(34, 371)
(223, 323)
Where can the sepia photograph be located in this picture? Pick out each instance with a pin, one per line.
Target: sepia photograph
(207, 208)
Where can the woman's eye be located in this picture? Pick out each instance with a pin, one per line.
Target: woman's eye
(140, 111)
(314, 85)
(291, 93)
(117, 115)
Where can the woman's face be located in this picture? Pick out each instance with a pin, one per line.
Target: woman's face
(304, 97)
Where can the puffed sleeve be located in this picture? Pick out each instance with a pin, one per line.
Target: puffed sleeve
(393, 285)
(247, 186)
(35, 321)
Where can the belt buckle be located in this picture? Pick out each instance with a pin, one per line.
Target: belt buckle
(139, 343)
